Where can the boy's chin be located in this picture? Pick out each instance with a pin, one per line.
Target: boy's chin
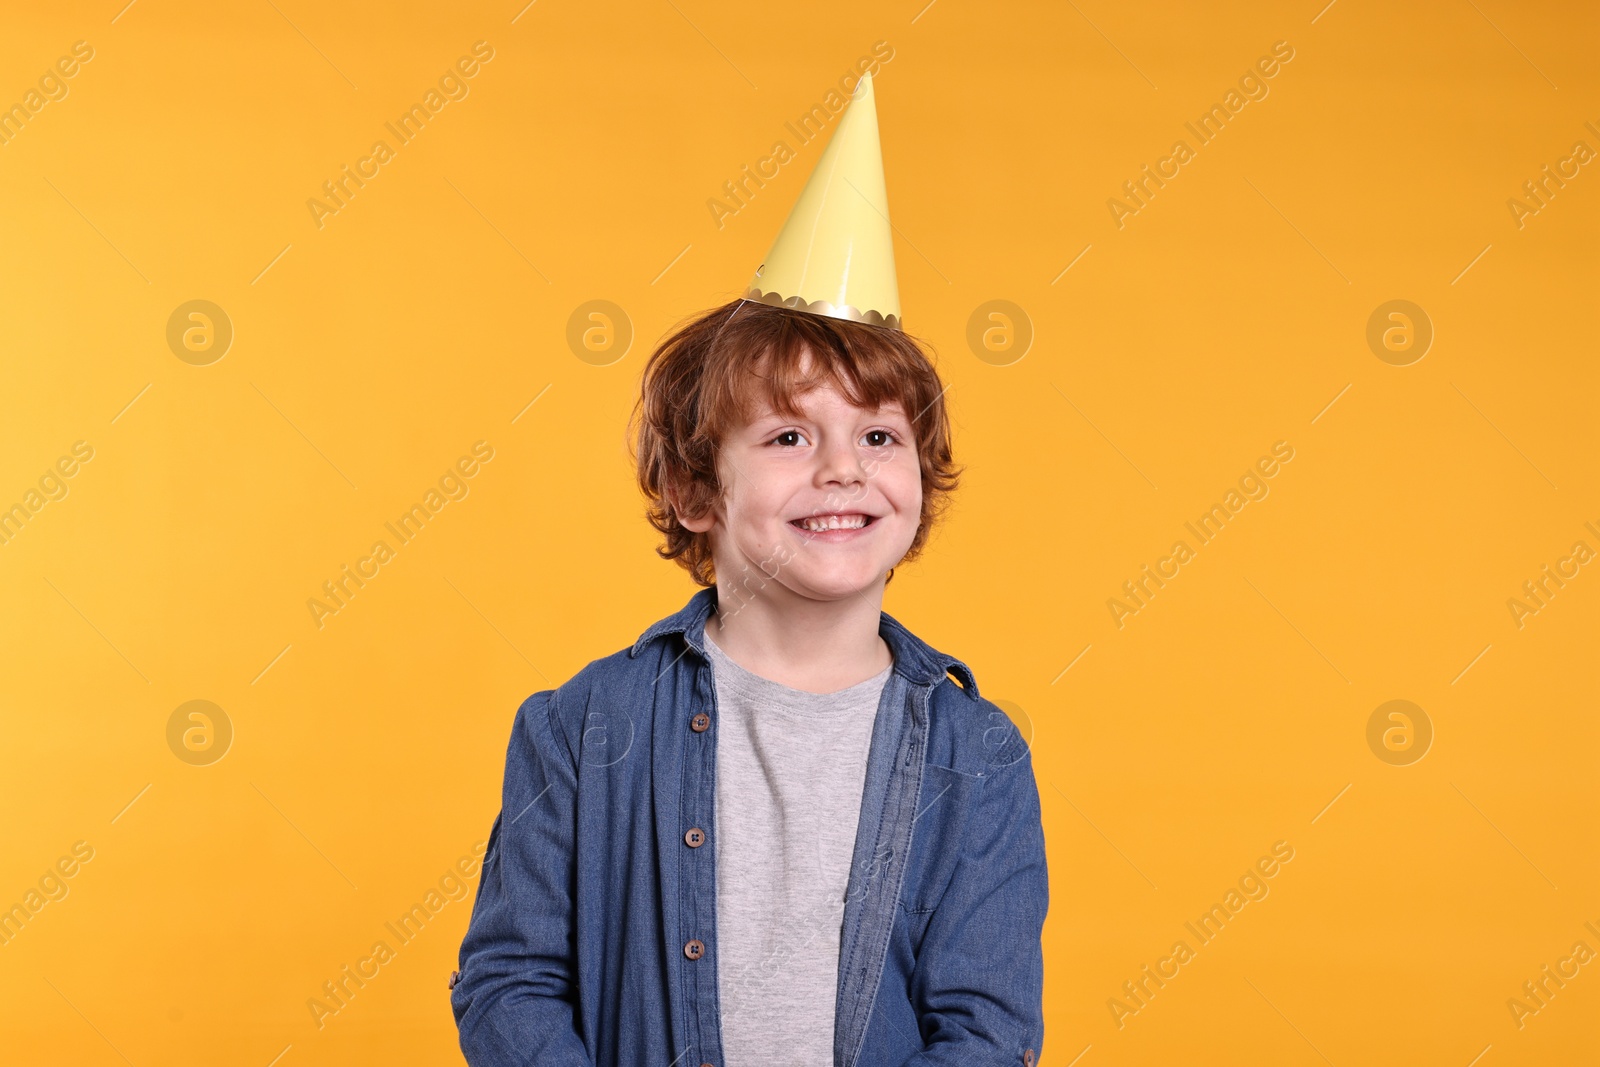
(841, 585)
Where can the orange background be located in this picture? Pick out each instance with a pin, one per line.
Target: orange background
(1228, 314)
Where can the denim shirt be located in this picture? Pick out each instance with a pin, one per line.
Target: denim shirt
(593, 935)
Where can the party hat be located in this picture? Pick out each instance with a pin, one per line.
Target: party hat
(835, 256)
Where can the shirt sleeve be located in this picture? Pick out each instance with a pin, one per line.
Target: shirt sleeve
(978, 984)
(515, 1001)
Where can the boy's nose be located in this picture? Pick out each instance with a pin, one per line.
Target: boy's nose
(839, 463)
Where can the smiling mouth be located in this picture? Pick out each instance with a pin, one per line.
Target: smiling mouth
(824, 523)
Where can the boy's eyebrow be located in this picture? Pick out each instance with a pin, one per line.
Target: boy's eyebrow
(766, 414)
(768, 411)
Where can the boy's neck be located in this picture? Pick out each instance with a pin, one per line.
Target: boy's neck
(811, 645)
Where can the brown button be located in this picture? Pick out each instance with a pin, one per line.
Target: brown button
(694, 949)
(700, 723)
(455, 976)
(1027, 1057)
(695, 837)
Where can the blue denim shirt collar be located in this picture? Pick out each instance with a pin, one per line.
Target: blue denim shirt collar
(914, 658)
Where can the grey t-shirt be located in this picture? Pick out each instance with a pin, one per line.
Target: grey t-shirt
(791, 766)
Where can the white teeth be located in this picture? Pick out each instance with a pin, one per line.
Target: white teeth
(821, 523)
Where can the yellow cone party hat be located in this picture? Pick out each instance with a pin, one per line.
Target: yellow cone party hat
(835, 255)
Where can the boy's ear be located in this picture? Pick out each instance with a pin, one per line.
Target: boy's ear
(694, 524)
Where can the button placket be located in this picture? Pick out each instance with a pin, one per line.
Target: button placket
(699, 870)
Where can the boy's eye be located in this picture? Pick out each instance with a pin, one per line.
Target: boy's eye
(789, 438)
(879, 438)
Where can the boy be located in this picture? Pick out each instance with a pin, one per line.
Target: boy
(779, 829)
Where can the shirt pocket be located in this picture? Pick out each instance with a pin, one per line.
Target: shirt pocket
(943, 808)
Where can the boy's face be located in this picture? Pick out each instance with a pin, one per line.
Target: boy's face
(822, 506)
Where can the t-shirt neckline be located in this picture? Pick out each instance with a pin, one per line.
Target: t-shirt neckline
(791, 694)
